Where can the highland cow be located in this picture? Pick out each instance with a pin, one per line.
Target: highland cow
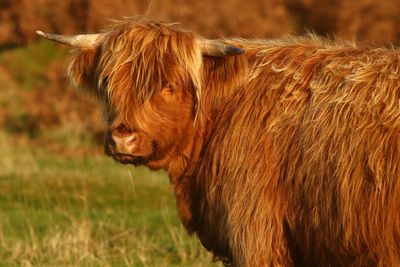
(280, 152)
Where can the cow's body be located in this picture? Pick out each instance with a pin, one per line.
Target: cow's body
(287, 155)
(302, 163)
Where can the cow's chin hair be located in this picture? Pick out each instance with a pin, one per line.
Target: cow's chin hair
(129, 159)
(136, 160)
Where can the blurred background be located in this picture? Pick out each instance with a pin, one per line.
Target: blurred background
(61, 201)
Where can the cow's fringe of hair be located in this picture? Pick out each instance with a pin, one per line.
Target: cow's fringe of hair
(154, 53)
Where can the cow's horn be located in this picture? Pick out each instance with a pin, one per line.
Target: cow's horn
(81, 40)
(214, 48)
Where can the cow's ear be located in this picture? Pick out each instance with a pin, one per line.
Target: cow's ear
(82, 71)
(222, 76)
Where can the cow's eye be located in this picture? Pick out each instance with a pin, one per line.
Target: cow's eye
(168, 88)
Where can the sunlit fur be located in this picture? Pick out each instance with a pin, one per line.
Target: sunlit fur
(288, 155)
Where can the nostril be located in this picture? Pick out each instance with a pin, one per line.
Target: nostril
(130, 141)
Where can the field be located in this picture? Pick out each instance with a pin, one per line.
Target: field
(87, 211)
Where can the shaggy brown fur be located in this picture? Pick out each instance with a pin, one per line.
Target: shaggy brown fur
(288, 155)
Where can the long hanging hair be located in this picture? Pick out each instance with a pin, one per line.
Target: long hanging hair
(305, 139)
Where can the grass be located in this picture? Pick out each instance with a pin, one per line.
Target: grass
(22, 71)
(84, 211)
(29, 64)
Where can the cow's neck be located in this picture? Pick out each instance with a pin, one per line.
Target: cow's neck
(222, 79)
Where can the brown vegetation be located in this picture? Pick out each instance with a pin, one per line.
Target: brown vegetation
(367, 19)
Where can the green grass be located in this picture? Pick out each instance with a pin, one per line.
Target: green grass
(22, 71)
(85, 211)
(29, 64)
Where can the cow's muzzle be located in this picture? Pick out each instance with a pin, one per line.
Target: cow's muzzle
(124, 144)
(120, 143)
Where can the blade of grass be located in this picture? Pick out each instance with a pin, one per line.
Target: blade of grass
(133, 185)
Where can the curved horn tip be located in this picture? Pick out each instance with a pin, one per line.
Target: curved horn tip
(233, 51)
(215, 48)
(44, 34)
(41, 33)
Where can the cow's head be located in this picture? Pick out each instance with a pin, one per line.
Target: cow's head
(149, 76)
